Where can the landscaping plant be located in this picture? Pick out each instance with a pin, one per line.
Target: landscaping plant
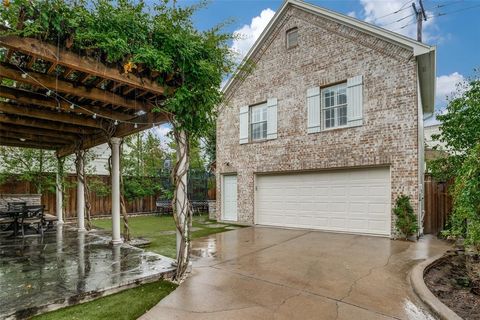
(406, 220)
(465, 218)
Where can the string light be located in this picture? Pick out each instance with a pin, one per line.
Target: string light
(22, 139)
(94, 115)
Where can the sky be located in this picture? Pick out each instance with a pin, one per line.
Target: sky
(453, 26)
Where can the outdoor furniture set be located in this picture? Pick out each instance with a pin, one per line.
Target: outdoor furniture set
(19, 216)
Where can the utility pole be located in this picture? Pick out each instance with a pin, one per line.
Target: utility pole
(421, 16)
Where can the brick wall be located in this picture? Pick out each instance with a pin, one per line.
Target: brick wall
(327, 53)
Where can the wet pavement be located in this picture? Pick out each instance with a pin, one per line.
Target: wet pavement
(269, 273)
(64, 267)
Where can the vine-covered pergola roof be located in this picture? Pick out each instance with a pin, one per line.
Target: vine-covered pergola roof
(53, 98)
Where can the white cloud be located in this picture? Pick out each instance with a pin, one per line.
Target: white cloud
(249, 33)
(352, 14)
(446, 85)
(379, 13)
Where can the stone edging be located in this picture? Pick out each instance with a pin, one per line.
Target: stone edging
(420, 288)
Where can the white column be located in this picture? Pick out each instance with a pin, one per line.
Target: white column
(59, 193)
(116, 237)
(80, 195)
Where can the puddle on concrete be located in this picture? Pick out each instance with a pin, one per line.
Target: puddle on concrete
(65, 264)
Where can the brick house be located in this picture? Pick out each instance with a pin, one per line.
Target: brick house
(326, 130)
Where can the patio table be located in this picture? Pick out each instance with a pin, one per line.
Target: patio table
(15, 215)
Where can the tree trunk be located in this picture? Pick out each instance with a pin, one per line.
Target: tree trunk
(182, 212)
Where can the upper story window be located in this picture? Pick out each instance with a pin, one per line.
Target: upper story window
(334, 106)
(258, 122)
(292, 38)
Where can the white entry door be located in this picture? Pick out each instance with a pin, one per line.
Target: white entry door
(354, 201)
(229, 198)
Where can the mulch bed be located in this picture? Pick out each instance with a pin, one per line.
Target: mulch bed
(448, 281)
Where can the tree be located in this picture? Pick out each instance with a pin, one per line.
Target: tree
(142, 160)
(459, 130)
(32, 165)
(162, 44)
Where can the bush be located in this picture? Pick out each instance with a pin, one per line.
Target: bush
(406, 222)
(465, 218)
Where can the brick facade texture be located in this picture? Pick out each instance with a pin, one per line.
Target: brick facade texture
(328, 52)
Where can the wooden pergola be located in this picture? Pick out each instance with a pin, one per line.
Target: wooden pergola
(52, 98)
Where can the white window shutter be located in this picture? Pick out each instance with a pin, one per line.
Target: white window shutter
(355, 101)
(313, 110)
(272, 118)
(243, 124)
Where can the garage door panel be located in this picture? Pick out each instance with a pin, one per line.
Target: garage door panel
(348, 200)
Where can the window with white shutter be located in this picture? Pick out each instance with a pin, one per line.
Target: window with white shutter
(336, 106)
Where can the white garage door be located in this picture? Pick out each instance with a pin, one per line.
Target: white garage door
(355, 201)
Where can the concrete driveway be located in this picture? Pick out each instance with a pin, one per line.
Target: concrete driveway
(268, 273)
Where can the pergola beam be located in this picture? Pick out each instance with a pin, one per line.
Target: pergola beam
(32, 112)
(34, 98)
(71, 60)
(34, 138)
(49, 125)
(27, 144)
(122, 130)
(70, 137)
(52, 83)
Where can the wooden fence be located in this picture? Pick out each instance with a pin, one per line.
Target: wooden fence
(100, 205)
(438, 205)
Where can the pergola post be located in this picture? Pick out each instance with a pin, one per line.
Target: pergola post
(115, 145)
(80, 192)
(59, 191)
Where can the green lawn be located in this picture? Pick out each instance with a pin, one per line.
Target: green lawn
(126, 305)
(151, 227)
(132, 303)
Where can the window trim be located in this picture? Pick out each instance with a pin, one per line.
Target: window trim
(262, 105)
(289, 31)
(336, 106)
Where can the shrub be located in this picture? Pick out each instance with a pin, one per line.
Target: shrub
(465, 218)
(406, 222)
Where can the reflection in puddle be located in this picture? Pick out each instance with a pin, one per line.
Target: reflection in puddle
(206, 248)
(35, 271)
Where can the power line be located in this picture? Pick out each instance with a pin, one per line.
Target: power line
(392, 13)
(456, 11)
(399, 20)
(445, 4)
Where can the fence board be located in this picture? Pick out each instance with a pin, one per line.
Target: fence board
(438, 205)
(100, 205)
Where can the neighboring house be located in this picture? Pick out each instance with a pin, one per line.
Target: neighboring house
(433, 149)
(326, 131)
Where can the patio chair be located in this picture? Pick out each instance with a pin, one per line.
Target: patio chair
(33, 216)
(6, 221)
(49, 220)
(12, 206)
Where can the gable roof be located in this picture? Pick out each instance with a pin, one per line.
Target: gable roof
(424, 53)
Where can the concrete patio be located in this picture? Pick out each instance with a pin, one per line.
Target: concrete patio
(268, 273)
(65, 267)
